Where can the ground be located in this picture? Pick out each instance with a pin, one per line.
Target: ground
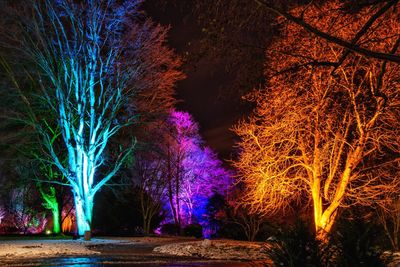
(216, 249)
(140, 251)
(137, 251)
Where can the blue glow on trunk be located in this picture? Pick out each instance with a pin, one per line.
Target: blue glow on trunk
(86, 89)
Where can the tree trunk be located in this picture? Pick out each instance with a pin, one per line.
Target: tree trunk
(145, 224)
(83, 211)
(148, 223)
(56, 220)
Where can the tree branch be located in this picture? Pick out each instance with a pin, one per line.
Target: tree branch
(350, 46)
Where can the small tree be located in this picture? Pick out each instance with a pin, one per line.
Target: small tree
(390, 220)
(152, 186)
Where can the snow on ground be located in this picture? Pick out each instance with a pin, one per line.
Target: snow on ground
(207, 249)
(216, 249)
(50, 248)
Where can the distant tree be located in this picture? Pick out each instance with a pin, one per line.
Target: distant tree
(25, 212)
(204, 177)
(389, 217)
(239, 214)
(148, 175)
(192, 172)
(229, 37)
(54, 195)
(323, 133)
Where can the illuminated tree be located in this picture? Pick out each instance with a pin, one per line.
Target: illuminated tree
(192, 172)
(78, 48)
(323, 133)
(352, 42)
(91, 59)
(52, 195)
(204, 177)
(24, 210)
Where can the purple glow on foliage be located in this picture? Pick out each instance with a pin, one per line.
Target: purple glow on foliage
(183, 123)
(202, 173)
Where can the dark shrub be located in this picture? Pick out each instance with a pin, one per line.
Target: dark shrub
(358, 242)
(351, 245)
(115, 212)
(170, 229)
(194, 229)
(295, 246)
(232, 230)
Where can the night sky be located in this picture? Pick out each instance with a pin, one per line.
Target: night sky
(202, 93)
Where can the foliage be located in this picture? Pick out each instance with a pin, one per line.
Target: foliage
(353, 243)
(357, 242)
(215, 206)
(295, 246)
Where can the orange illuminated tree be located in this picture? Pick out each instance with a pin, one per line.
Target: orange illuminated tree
(324, 132)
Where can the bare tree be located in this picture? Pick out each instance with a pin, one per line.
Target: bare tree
(152, 185)
(91, 60)
(351, 43)
(322, 137)
(390, 220)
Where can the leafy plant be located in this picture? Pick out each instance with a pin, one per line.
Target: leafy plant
(295, 246)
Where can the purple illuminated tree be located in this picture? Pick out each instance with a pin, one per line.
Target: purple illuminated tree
(192, 171)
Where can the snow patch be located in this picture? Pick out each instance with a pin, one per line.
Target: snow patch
(49, 248)
(216, 249)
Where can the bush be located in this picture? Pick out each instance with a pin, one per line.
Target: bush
(232, 231)
(351, 245)
(357, 240)
(170, 229)
(195, 230)
(295, 246)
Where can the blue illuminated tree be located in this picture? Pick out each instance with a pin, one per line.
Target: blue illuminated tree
(86, 81)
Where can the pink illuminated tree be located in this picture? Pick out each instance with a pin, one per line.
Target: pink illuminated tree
(192, 171)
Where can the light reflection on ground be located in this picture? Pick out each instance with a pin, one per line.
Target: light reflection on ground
(125, 261)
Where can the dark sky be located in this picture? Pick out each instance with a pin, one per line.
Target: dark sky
(200, 93)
